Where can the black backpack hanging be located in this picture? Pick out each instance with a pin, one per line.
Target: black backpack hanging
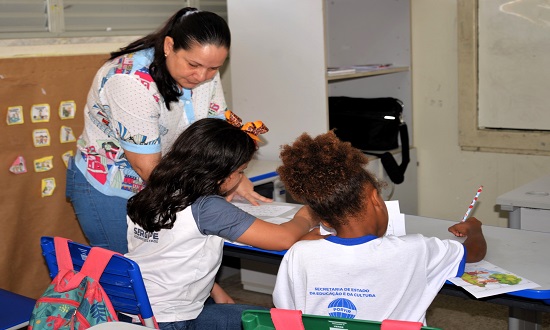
(373, 124)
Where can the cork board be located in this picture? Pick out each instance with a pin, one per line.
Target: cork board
(30, 208)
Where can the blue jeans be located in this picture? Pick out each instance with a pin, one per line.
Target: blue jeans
(101, 217)
(213, 317)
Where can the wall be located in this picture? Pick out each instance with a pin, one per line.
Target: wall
(32, 208)
(17, 48)
(41, 71)
(448, 177)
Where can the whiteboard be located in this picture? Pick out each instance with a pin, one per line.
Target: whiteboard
(514, 64)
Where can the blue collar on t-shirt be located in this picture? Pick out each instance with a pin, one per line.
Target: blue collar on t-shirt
(351, 241)
(142, 59)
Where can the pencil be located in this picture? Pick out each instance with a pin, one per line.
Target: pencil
(472, 204)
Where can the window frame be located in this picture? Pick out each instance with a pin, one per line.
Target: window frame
(58, 13)
(471, 136)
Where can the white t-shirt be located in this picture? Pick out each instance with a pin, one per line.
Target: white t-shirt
(179, 265)
(367, 278)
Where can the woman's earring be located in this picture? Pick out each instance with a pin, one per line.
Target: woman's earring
(165, 55)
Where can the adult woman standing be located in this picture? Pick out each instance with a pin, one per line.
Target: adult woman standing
(140, 101)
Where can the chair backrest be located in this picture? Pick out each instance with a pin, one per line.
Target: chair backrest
(121, 279)
(289, 319)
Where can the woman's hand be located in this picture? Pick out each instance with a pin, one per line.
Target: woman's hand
(245, 189)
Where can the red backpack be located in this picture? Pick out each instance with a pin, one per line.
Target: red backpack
(74, 300)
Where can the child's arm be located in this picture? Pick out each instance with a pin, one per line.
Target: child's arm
(313, 234)
(220, 296)
(475, 244)
(265, 235)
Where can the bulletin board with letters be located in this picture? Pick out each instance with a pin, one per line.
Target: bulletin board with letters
(41, 101)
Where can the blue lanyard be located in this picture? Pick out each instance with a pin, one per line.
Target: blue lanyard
(188, 105)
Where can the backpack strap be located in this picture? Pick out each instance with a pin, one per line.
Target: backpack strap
(95, 263)
(287, 319)
(62, 254)
(395, 171)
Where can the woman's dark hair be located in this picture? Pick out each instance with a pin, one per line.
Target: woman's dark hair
(188, 27)
(328, 175)
(202, 157)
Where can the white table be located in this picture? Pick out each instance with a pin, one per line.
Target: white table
(528, 205)
(264, 171)
(258, 277)
(525, 253)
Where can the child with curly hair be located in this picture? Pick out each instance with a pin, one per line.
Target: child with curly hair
(177, 224)
(360, 272)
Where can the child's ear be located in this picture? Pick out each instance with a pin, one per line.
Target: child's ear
(375, 197)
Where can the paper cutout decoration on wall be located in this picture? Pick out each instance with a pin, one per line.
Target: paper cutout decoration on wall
(19, 166)
(41, 137)
(67, 109)
(15, 115)
(66, 134)
(40, 113)
(48, 186)
(66, 156)
(43, 164)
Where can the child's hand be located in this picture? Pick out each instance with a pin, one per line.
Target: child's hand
(475, 243)
(245, 189)
(220, 296)
(463, 229)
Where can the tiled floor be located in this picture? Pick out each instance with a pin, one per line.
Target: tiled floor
(446, 312)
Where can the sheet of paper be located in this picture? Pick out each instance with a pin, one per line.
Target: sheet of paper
(326, 230)
(264, 210)
(396, 225)
(290, 215)
(396, 219)
(483, 279)
(393, 207)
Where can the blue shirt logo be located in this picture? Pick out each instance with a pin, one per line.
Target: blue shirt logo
(342, 307)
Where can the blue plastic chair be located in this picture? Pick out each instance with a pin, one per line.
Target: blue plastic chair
(15, 310)
(121, 280)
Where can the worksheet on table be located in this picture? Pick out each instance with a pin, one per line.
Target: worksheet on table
(273, 213)
(266, 210)
(483, 279)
